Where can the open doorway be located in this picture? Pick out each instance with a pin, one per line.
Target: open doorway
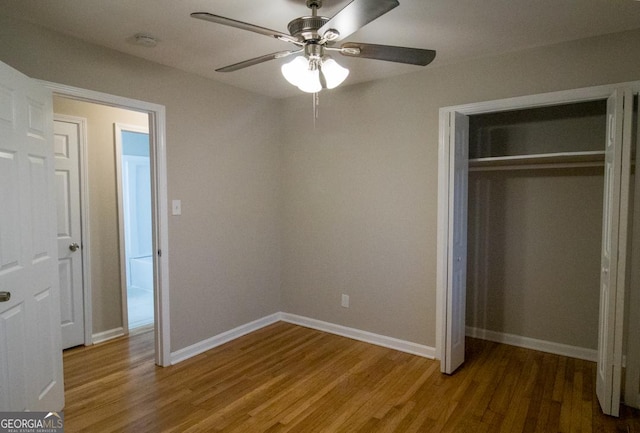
(104, 317)
(117, 227)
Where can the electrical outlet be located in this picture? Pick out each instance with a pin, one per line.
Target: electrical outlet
(345, 301)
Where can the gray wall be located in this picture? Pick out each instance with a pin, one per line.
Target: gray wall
(360, 190)
(223, 162)
(278, 215)
(534, 253)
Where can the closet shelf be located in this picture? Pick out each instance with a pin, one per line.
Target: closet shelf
(544, 160)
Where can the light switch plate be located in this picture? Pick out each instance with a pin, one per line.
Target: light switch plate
(345, 301)
(176, 207)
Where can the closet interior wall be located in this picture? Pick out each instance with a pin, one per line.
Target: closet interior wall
(535, 228)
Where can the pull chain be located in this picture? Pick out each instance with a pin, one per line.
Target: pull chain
(316, 104)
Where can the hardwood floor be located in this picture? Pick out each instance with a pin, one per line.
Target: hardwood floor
(286, 378)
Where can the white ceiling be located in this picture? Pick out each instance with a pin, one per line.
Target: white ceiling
(456, 29)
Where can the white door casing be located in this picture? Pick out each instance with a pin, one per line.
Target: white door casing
(615, 220)
(453, 356)
(31, 375)
(157, 126)
(70, 243)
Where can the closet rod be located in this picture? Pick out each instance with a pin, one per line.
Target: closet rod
(545, 166)
(539, 161)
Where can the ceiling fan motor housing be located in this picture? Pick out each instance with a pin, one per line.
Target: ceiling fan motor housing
(307, 27)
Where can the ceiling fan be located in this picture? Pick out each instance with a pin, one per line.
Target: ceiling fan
(316, 36)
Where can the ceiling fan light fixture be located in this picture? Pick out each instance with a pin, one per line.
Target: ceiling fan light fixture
(315, 35)
(304, 73)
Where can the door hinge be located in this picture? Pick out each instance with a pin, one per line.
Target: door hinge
(159, 253)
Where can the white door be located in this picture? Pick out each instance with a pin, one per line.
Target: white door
(614, 246)
(30, 346)
(632, 372)
(67, 163)
(453, 353)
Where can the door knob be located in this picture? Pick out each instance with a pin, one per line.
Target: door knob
(5, 296)
(74, 246)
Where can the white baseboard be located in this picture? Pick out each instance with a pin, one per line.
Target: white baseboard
(225, 337)
(110, 334)
(356, 334)
(532, 343)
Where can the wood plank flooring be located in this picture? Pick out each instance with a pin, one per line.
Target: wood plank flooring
(286, 378)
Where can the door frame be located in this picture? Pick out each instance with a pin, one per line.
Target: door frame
(118, 128)
(445, 153)
(445, 187)
(85, 249)
(157, 128)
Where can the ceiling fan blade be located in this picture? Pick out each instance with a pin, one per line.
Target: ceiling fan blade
(244, 26)
(413, 56)
(356, 14)
(257, 60)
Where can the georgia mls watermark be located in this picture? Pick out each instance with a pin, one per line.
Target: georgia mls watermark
(31, 422)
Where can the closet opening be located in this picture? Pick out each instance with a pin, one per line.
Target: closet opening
(556, 172)
(534, 228)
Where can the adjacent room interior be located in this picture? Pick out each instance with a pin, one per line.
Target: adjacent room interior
(113, 157)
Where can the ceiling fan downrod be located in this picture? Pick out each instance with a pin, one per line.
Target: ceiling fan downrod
(314, 5)
(306, 28)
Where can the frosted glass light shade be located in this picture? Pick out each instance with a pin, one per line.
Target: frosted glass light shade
(334, 74)
(295, 69)
(299, 73)
(310, 81)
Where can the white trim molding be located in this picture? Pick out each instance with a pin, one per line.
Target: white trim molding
(331, 328)
(532, 343)
(110, 334)
(365, 336)
(220, 339)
